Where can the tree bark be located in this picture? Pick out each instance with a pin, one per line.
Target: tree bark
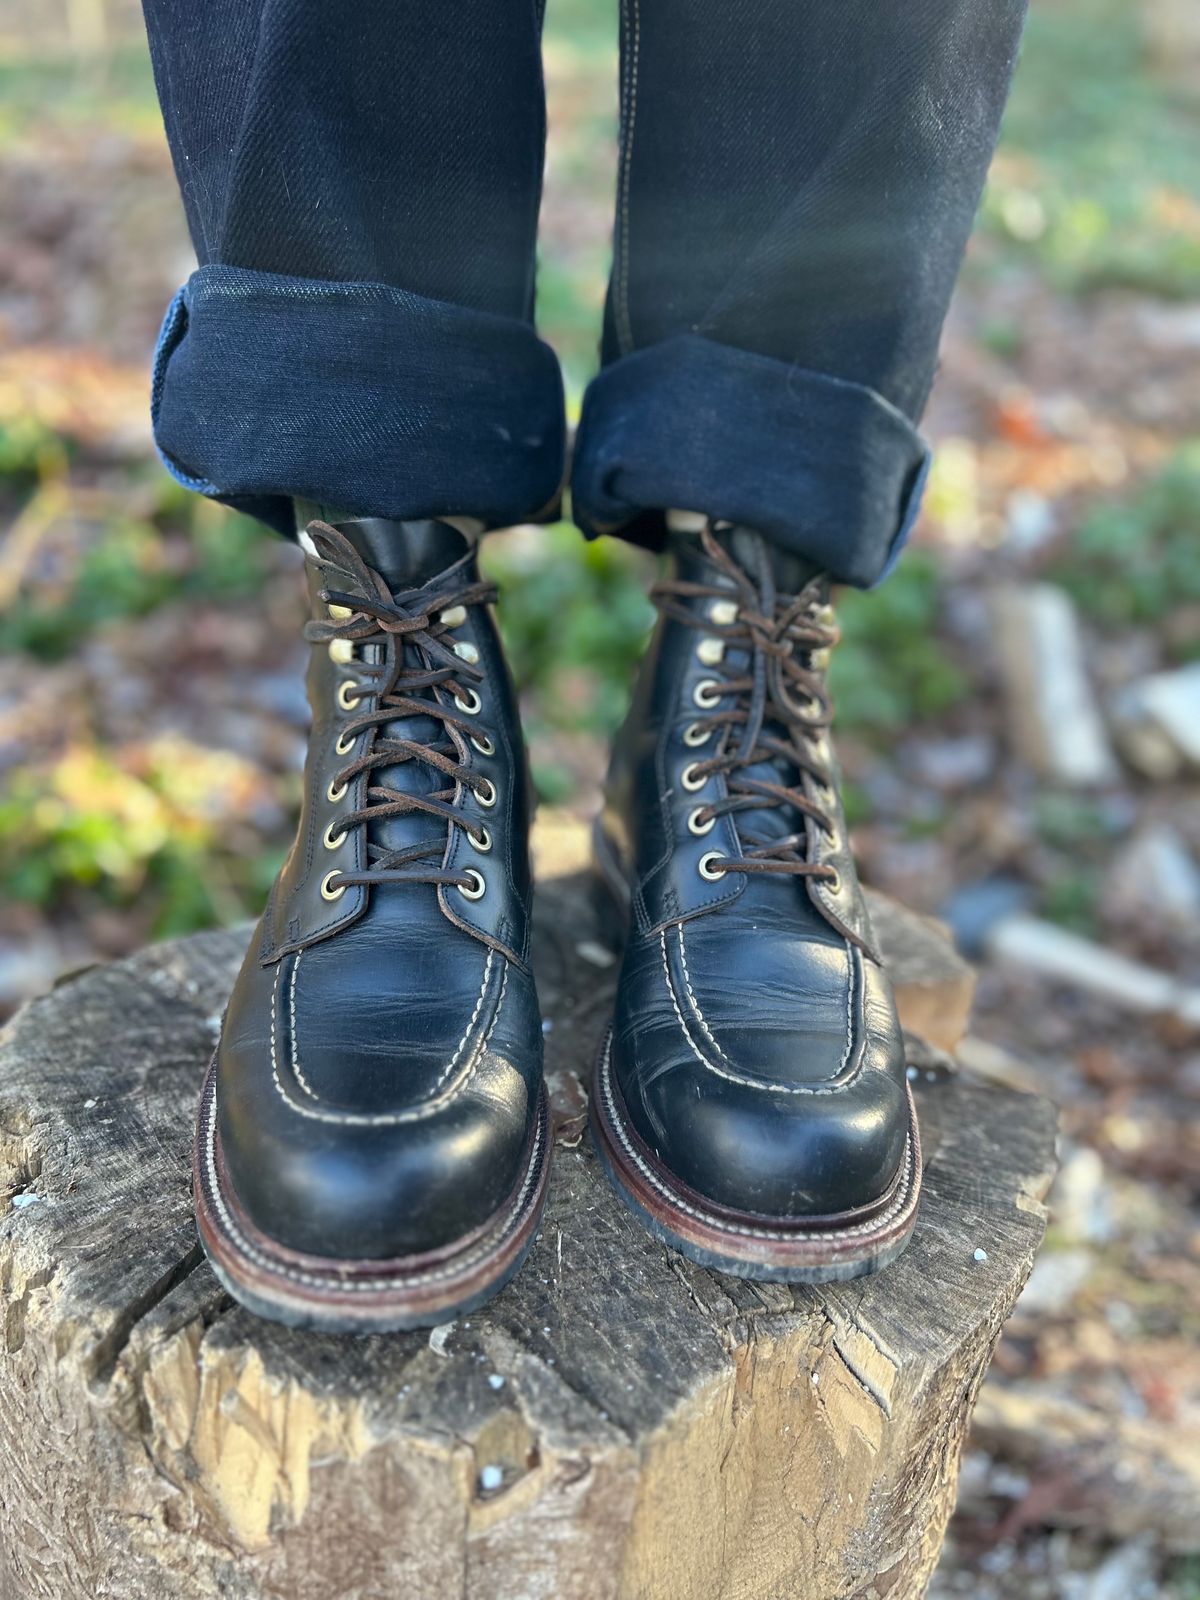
(618, 1425)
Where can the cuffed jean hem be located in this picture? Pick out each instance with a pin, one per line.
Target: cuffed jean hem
(827, 468)
(355, 395)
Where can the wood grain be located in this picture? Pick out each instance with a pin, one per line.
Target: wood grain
(658, 1432)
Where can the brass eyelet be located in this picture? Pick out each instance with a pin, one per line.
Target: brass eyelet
(332, 840)
(707, 694)
(337, 792)
(348, 695)
(708, 869)
(328, 892)
(694, 735)
(483, 743)
(691, 779)
(481, 840)
(696, 826)
(345, 743)
(487, 793)
(478, 888)
(469, 703)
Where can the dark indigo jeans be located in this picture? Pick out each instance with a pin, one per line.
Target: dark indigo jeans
(797, 182)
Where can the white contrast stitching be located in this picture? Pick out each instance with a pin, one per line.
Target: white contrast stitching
(902, 1200)
(625, 324)
(387, 1119)
(338, 1279)
(294, 1049)
(851, 969)
(687, 979)
(487, 972)
(832, 1086)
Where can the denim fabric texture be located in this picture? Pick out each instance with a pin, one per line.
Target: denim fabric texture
(797, 183)
(267, 387)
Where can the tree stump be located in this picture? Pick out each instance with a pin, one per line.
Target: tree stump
(618, 1425)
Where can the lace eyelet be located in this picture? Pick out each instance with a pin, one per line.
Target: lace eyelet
(706, 866)
(833, 884)
(481, 840)
(710, 652)
(348, 694)
(328, 891)
(453, 617)
(694, 735)
(691, 779)
(487, 793)
(345, 743)
(331, 840)
(723, 612)
(478, 885)
(707, 694)
(696, 826)
(337, 792)
(483, 743)
(469, 703)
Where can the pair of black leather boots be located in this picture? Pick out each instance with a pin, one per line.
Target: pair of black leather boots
(374, 1135)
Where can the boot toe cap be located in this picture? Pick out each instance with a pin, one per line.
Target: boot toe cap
(785, 1102)
(324, 1159)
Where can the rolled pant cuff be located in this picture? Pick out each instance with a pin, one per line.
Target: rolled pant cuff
(354, 395)
(827, 468)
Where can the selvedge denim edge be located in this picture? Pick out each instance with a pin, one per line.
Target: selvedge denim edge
(358, 395)
(827, 468)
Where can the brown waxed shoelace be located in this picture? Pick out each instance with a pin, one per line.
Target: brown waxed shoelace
(775, 629)
(412, 618)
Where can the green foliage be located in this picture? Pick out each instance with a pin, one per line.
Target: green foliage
(1065, 820)
(128, 566)
(890, 669)
(1184, 1579)
(1071, 899)
(59, 89)
(1078, 833)
(27, 445)
(1133, 561)
(575, 619)
(1097, 180)
(156, 828)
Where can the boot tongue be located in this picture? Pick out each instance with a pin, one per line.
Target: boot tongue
(759, 555)
(405, 554)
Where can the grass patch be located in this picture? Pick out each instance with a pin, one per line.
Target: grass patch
(1134, 561)
(157, 829)
(1097, 181)
(891, 670)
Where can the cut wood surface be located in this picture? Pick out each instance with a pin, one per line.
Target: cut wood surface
(618, 1425)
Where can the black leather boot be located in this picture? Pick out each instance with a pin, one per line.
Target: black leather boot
(372, 1145)
(751, 1104)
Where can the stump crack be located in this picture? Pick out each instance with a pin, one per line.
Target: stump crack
(107, 1351)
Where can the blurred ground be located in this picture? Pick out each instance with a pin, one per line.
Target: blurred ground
(151, 719)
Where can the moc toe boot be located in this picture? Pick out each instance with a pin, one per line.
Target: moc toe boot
(751, 1103)
(372, 1143)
